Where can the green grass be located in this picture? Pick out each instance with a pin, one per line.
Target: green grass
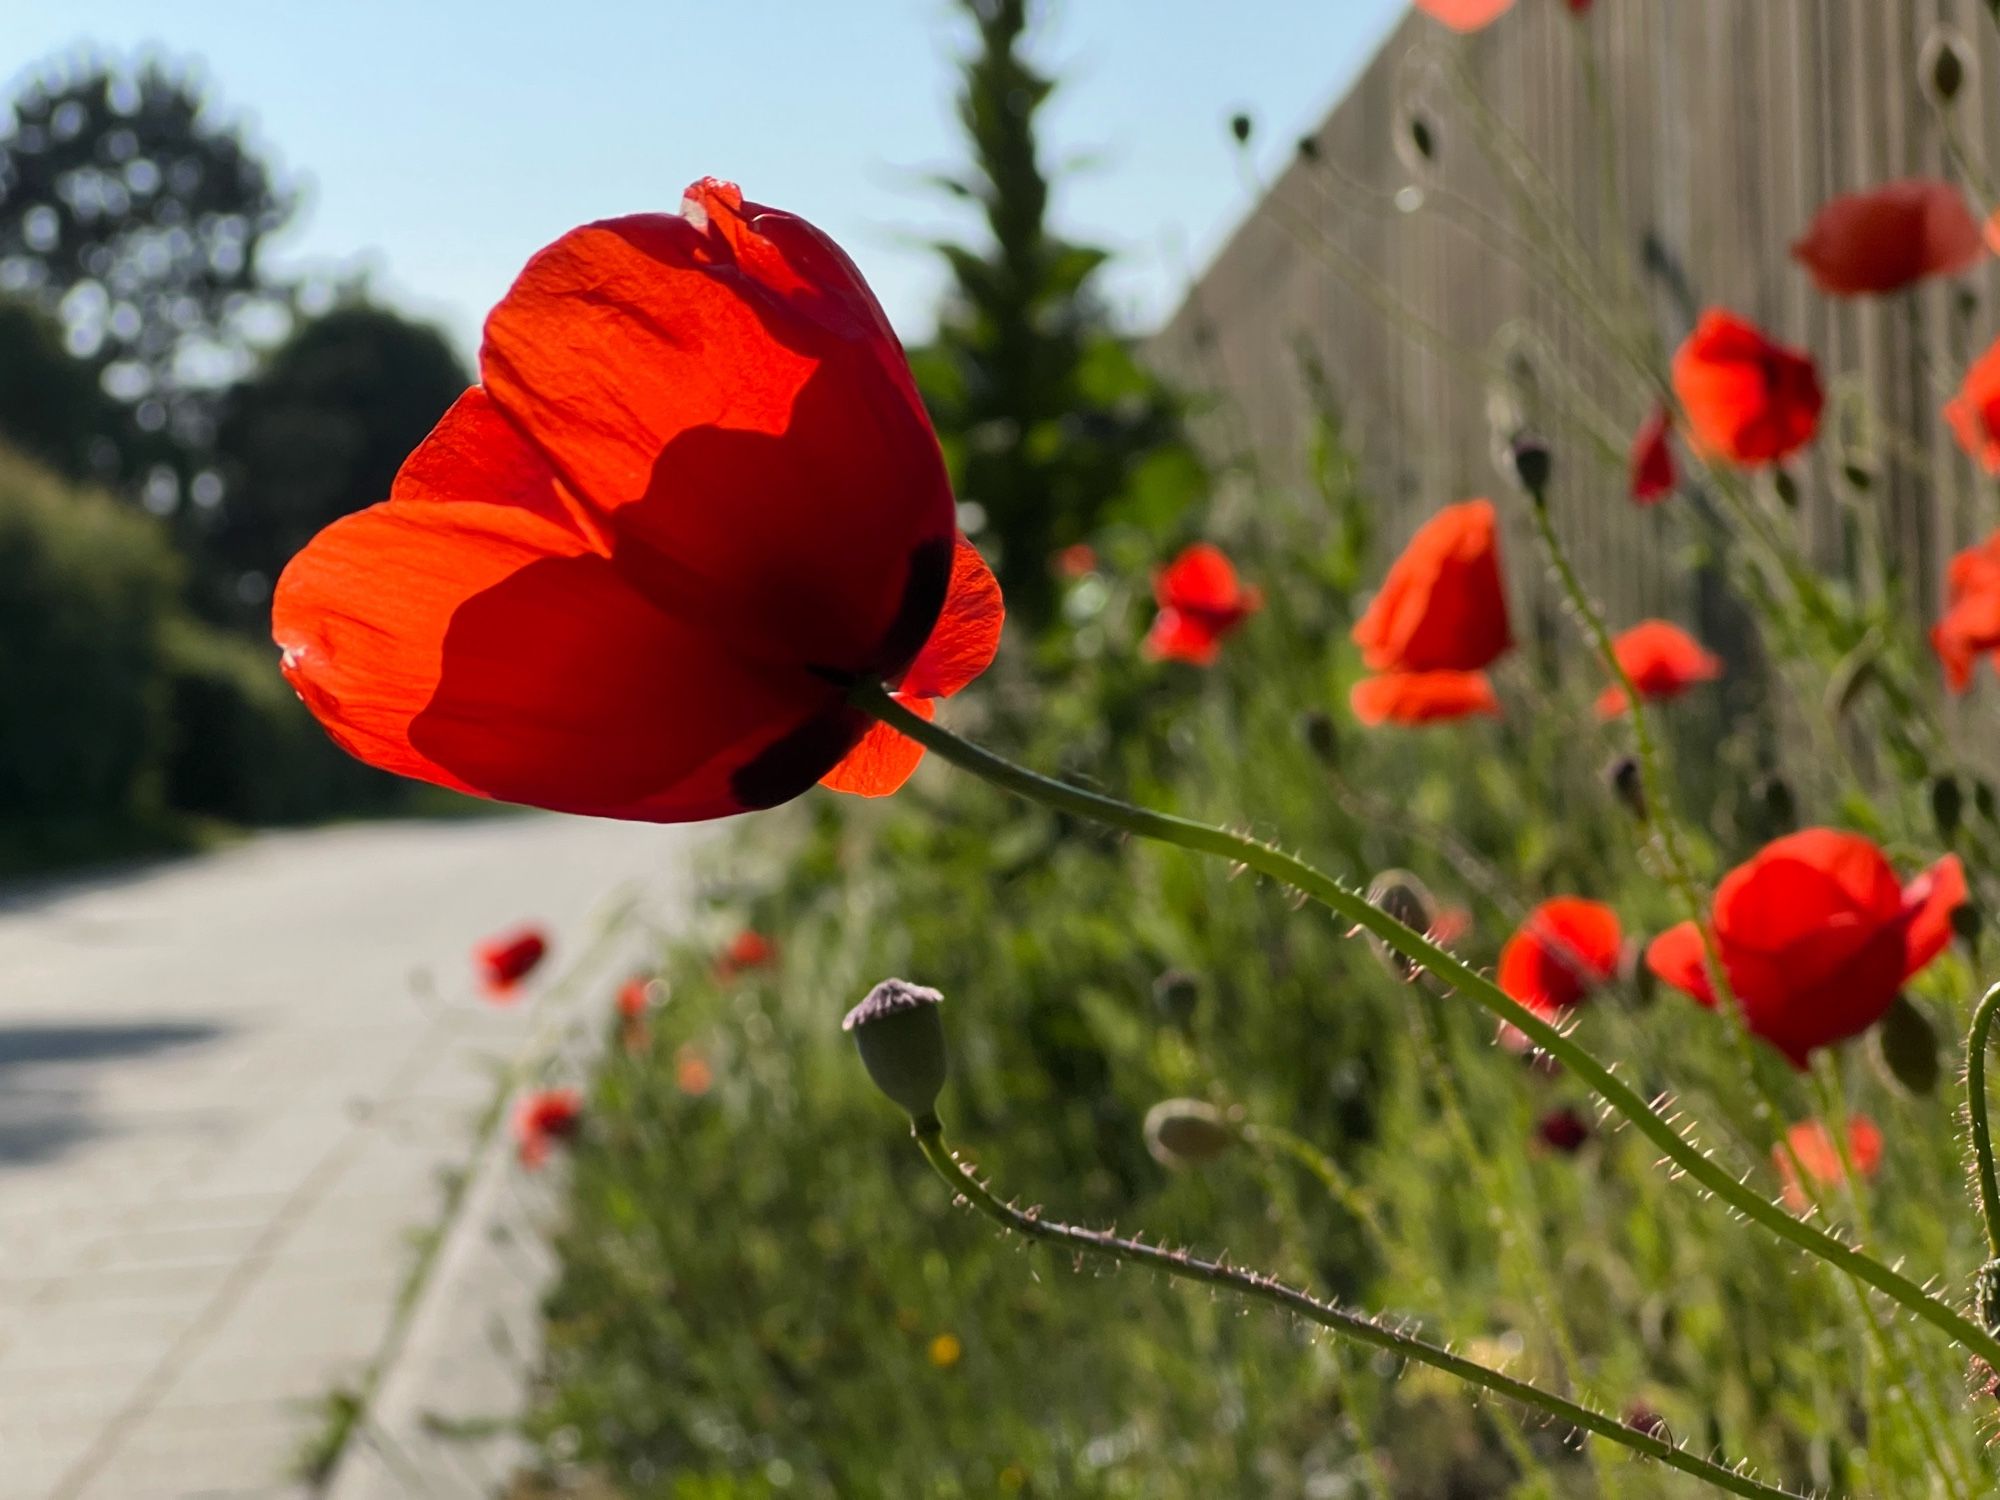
(754, 1277)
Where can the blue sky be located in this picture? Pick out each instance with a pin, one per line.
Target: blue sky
(440, 142)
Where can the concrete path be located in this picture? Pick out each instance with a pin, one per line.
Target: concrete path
(230, 1092)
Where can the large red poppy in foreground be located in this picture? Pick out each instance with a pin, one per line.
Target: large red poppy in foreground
(1816, 936)
(636, 570)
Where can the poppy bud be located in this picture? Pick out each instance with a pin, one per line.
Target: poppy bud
(1786, 488)
(1308, 149)
(1533, 465)
(1986, 1291)
(1401, 895)
(1983, 799)
(1628, 785)
(1187, 1132)
(1908, 1047)
(1944, 66)
(1947, 805)
(1775, 793)
(900, 1033)
(1239, 126)
(1424, 139)
(1968, 924)
(1176, 993)
(1857, 476)
(1316, 729)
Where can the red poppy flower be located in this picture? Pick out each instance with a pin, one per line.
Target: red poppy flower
(1971, 624)
(1974, 413)
(635, 997)
(1078, 560)
(1889, 239)
(1565, 949)
(636, 571)
(1748, 400)
(1579, 7)
(506, 960)
(961, 646)
(1413, 698)
(1201, 602)
(1564, 1130)
(542, 1119)
(749, 949)
(1442, 606)
(1662, 660)
(1438, 620)
(1819, 1154)
(1465, 15)
(1654, 476)
(1816, 937)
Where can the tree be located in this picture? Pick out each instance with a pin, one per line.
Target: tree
(1050, 424)
(317, 432)
(50, 406)
(133, 215)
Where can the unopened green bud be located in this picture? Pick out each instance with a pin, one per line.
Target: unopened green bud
(1399, 894)
(1533, 465)
(899, 1030)
(1187, 1132)
(1947, 805)
(1908, 1047)
(1239, 126)
(1177, 992)
(1944, 66)
(1317, 729)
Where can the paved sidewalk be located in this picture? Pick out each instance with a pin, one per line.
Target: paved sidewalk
(230, 1090)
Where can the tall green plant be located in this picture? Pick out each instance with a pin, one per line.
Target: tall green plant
(1051, 425)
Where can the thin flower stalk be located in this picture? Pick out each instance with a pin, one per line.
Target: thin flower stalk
(963, 1180)
(1686, 1157)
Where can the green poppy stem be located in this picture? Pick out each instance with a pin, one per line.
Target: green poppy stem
(1976, 1109)
(1267, 859)
(963, 1180)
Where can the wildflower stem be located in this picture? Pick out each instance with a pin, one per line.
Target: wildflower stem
(963, 1180)
(1982, 1127)
(1352, 906)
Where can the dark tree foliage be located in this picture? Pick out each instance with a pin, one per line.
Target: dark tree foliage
(318, 432)
(50, 406)
(132, 214)
(1051, 426)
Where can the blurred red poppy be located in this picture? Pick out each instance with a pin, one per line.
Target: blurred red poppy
(1654, 476)
(1971, 624)
(1974, 413)
(1662, 660)
(1078, 560)
(1889, 238)
(1439, 619)
(749, 949)
(1201, 603)
(542, 1119)
(636, 571)
(1748, 400)
(1819, 1153)
(1565, 1130)
(1566, 948)
(961, 646)
(635, 996)
(506, 960)
(1423, 697)
(1816, 937)
(1579, 7)
(1466, 15)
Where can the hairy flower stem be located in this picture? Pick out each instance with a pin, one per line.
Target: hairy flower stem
(1982, 1127)
(1267, 859)
(963, 1180)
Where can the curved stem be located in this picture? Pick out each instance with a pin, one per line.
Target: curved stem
(1268, 859)
(1982, 1126)
(963, 1180)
